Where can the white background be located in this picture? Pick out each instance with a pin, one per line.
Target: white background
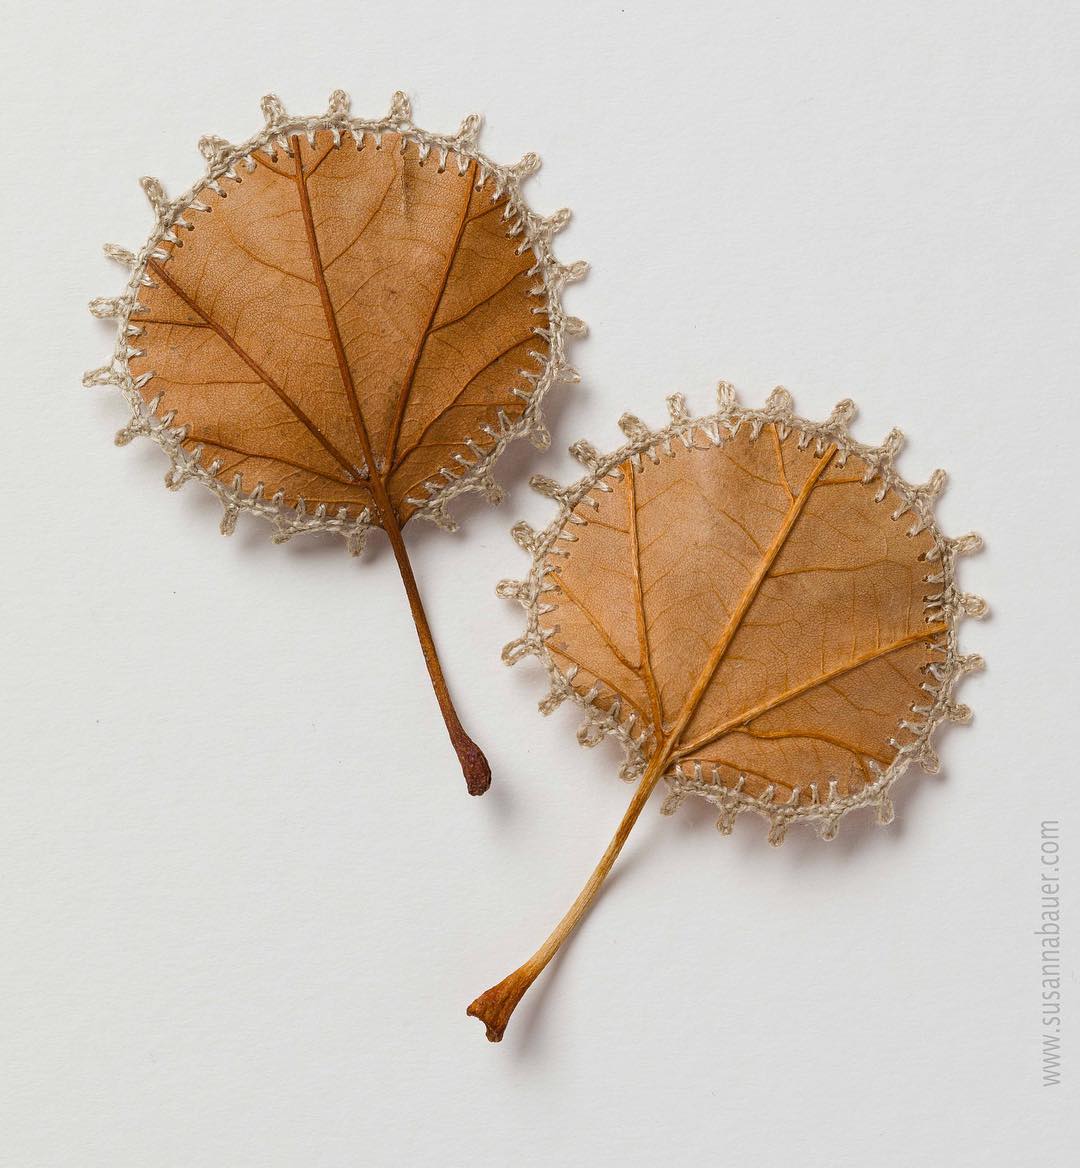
(245, 899)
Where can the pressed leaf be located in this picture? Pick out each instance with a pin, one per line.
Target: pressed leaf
(339, 291)
(342, 326)
(760, 608)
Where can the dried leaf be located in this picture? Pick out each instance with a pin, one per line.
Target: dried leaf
(759, 608)
(342, 325)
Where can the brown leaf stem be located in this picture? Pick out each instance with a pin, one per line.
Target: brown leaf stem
(494, 1006)
(473, 763)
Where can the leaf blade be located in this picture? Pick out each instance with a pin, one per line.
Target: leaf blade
(307, 273)
(750, 696)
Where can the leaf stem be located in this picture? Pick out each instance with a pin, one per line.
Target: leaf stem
(473, 763)
(494, 1006)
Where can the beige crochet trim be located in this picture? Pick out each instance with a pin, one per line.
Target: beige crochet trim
(947, 605)
(224, 162)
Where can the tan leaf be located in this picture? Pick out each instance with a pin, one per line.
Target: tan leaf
(338, 301)
(760, 608)
(342, 325)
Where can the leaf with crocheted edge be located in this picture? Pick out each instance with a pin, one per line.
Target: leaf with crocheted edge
(759, 608)
(342, 325)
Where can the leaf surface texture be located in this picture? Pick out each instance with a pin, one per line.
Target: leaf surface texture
(336, 300)
(757, 604)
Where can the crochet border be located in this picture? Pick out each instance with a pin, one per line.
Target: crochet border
(946, 603)
(223, 160)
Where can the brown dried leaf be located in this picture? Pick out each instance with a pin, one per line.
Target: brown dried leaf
(760, 608)
(341, 325)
